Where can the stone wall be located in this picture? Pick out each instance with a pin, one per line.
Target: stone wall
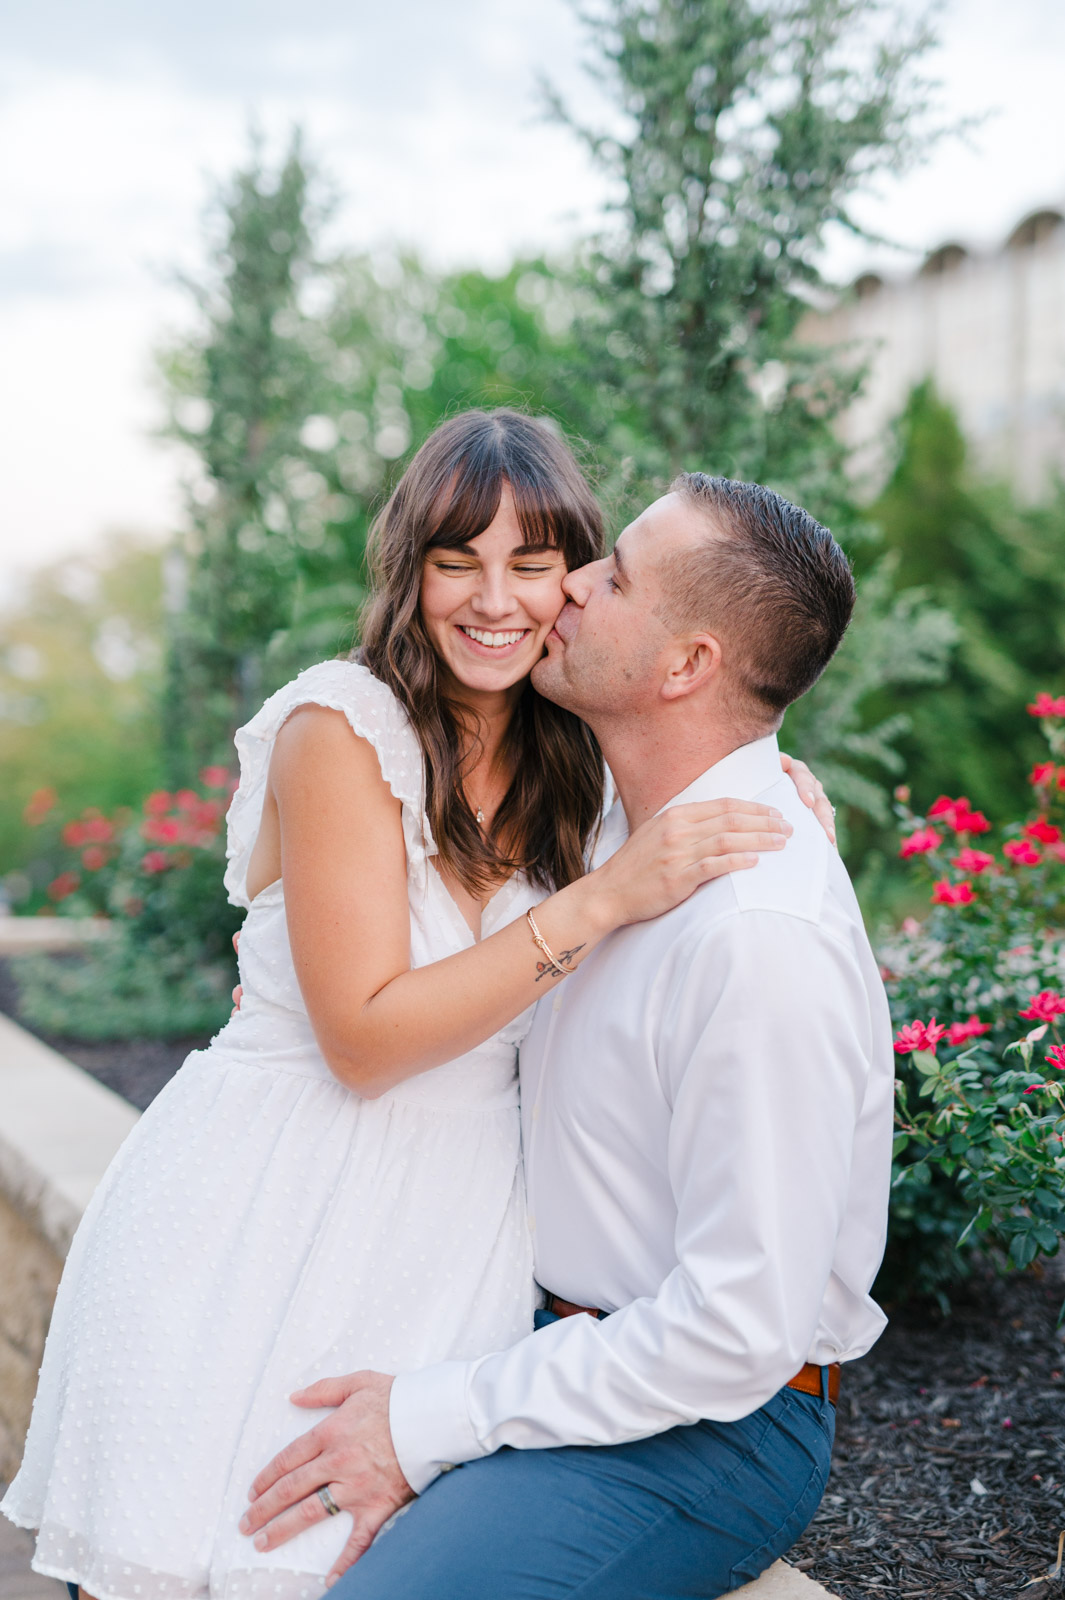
(59, 1129)
(29, 1273)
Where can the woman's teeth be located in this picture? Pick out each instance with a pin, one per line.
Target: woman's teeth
(494, 641)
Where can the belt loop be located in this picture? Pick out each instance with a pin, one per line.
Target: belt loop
(824, 1385)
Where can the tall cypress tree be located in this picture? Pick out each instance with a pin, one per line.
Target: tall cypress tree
(242, 393)
(746, 128)
(743, 130)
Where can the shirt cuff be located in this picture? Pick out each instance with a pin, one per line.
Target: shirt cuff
(430, 1422)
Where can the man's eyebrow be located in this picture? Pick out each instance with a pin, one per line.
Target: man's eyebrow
(619, 564)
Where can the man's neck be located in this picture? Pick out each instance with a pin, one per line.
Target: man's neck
(651, 765)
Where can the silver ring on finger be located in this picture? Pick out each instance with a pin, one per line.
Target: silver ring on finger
(331, 1507)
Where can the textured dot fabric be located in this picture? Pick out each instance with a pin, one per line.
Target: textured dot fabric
(263, 1227)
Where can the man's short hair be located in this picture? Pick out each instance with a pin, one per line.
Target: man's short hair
(772, 583)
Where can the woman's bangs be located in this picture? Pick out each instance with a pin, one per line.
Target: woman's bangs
(537, 516)
(467, 506)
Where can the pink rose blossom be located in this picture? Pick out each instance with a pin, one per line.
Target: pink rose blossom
(952, 894)
(39, 804)
(1042, 831)
(959, 814)
(919, 843)
(958, 1032)
(1023, 853)
(915, 1036)
(975, 861)
(1045, 705)
(1044, 1006)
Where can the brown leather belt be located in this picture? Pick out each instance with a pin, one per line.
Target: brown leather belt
(808, 1380)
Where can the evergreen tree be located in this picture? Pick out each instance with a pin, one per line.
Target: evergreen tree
(243, 393)
(999, 568)
(747, 127)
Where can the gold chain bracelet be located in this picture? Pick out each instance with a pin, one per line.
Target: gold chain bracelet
(543, 946)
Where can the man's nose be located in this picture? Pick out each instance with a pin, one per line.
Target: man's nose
(577, 585)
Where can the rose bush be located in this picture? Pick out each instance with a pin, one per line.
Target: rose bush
(157, 877)
(979, 1160)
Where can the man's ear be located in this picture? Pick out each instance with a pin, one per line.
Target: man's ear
(696, 662)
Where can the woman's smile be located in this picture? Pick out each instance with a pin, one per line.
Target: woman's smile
(496, 643)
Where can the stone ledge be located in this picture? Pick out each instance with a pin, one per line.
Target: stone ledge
(59, 1129)
(18, 935)
(781, 1582)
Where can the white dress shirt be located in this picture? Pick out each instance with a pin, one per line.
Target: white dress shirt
(707, 1114)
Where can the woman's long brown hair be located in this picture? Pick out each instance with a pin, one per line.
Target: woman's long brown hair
(448, 495)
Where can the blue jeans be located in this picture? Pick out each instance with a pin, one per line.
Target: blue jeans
(696, 1511)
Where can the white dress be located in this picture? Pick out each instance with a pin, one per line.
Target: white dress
(263, 1227)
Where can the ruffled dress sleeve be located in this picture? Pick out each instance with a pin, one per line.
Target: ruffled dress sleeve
(374, 714)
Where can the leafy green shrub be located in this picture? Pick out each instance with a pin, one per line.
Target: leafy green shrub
(979, 1153)
(123, 989)
(157, 878)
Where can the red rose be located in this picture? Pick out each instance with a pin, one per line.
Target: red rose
(1044, 1006)
(1045, 705)
(39, 804)
(915, 1036)
(1056, 1056)
(1045, 832)
(155, 861)
(1023, 853)
(214, 777)
(93, 858)
(976, 861)
(958, 1032)
(959, 814)
(952, 894)
(159, 803)
(63, 886)
(920, 843)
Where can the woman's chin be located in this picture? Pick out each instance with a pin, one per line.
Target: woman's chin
(488, 678)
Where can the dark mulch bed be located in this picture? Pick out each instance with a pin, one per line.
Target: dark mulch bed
(135, 1068)
(948, 1480)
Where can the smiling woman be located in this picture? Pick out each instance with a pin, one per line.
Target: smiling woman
(469, 557)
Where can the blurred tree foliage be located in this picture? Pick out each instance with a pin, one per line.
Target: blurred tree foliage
(80, 674)
(746, 129)
(244, 391)
(999, 568)
(742, 131)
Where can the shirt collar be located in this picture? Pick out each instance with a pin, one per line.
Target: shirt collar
(741, 775)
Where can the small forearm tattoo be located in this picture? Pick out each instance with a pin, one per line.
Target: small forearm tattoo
(548, 969)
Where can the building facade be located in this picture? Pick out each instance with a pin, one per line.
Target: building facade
(987, 327)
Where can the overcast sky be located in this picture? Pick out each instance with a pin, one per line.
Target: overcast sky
(115, 115)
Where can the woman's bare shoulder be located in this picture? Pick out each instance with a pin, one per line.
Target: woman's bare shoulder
(316, 744)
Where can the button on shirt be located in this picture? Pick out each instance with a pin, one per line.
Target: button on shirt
(707, 1115)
